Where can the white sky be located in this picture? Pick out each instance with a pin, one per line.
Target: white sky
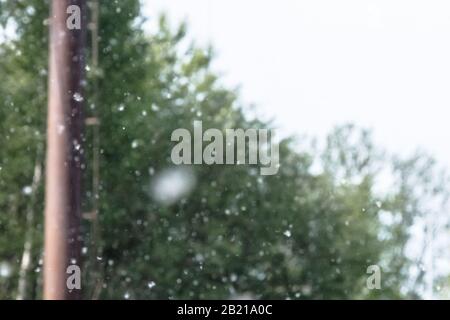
(382, 64)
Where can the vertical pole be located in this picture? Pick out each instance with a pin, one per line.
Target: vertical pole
(95, 226)
(64, 149)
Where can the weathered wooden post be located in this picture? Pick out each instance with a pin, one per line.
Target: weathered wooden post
(64, 146)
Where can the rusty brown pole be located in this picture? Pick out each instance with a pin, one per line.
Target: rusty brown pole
(64, 149)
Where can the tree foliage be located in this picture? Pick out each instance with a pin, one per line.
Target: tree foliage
(302, 233)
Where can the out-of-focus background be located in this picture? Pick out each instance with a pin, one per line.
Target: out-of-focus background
(357, 90)
(316, 64)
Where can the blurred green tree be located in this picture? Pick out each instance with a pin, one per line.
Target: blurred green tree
(301, 234)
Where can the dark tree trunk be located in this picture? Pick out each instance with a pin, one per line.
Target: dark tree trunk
(64, 149)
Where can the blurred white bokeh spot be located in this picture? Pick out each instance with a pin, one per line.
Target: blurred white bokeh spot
(5, 270)
(171, 185)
